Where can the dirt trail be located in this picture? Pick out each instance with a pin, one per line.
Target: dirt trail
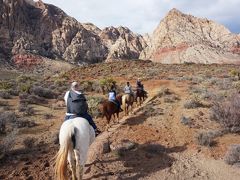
(166, 148)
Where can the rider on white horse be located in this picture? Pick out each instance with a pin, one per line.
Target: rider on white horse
(77, 106)
(128, 89)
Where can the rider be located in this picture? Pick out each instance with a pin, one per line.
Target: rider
(128, 89)
(112, 97)
(140, 85)
(77, 106)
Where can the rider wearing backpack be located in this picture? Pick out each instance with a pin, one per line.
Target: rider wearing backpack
(77, 106)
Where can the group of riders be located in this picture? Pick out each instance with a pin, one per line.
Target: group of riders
(77, 104)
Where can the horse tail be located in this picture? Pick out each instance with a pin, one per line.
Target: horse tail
(65, 138)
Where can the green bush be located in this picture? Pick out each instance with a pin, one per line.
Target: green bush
(233, 72)
(24, 79)
(93, 104)
(106, 83)
(87, 86)
(24, 87)
(5, 85)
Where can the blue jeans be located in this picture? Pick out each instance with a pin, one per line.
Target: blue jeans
(85, 116)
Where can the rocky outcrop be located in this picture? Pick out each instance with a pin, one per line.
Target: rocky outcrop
(184, 38)
(29, 27)
(122, 43)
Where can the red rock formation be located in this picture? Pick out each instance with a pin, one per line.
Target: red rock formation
(27, 61)
(184, 38)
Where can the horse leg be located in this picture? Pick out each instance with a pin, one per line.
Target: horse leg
(114, 117)
(80, 161)
(72, 163)
(110, 117)
(118, 116)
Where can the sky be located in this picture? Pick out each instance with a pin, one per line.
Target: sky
(143, 16)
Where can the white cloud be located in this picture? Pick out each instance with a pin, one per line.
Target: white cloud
(143, 16)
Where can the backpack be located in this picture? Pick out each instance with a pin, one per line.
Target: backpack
(76, 103)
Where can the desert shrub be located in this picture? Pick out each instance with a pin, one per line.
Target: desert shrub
(27, 110)
(3, 103)
(166, 91)
(14, 92)
(206, 138)
(25, 78)
(24, 87)
(43, 92)
(22, 123)
(2, 126)
(48, 116)
(31, 99)
(237, 86)
(197, 80)
(198, 90)
(106, 84)
(59, 82)
(225, 84)
(213, 81)
(185, 120)
(170, 99)
(29, 142)
(195, 102)
(8, 117)
(233, 72)
(8, 143)
(227, 113)
(86, 86)
(5, 85)
(93, 105)
(233, 155)
(5, 95)
(96, 87)
(65, 76)
(207, 95)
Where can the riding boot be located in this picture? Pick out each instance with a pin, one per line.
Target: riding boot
(97, 132)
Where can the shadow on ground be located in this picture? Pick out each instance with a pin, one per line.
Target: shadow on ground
(137, 162)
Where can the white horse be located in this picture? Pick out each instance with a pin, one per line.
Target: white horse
(75, 137)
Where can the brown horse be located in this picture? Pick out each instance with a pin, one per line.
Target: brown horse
(110, 108)
(127, 101)
(140, 96)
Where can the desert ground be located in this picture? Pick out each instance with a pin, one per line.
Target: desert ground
(179, 132)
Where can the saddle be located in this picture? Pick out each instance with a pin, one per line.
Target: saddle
(113, 102)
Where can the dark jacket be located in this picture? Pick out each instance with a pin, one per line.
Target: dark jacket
(76, 103)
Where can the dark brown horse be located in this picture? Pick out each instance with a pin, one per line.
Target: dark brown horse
(110, 108)
(140, 96)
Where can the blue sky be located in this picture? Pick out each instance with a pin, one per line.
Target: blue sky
(143, 16)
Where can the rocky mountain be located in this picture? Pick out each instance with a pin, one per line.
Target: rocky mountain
(122, 43)
(36, 30)
(184, 38)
